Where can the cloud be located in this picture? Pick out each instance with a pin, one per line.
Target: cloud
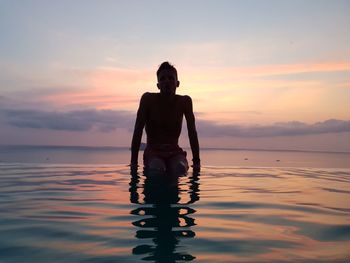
(285, 69)
(257, 74)
(210, 129)
(80, 120)
(110, 120)
(68, 98)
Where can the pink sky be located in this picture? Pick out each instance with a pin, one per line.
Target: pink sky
(272, 82)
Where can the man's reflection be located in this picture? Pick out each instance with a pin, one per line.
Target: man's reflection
(165, 218)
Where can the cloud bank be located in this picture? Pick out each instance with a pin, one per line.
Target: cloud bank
(110, 120)
(294, 128)
(79, 120)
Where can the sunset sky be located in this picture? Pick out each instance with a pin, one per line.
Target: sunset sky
(262, 74)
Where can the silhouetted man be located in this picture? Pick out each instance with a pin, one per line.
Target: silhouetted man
(161, 114)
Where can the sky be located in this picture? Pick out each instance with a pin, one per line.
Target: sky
(262, 74)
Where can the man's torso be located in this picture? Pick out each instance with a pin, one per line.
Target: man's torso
(164, 116)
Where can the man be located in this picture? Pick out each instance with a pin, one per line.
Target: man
(161, 114)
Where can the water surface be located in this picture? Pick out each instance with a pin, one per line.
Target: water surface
(105, 213)
(214, 157)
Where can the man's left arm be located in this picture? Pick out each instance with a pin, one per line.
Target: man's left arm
(192, 132)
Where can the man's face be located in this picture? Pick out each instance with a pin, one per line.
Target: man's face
(167, 82)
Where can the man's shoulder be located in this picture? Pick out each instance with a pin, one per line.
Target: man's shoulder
(185, 98)
(148, 96)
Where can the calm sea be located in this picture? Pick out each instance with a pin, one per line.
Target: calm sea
(210, 157)
(85, 205)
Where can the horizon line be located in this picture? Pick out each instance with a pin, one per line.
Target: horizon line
(187, 148)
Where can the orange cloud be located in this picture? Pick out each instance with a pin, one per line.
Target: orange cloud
(220, 74)
(91, 98)
(285, 69)
(122, 80)
(231, 90)
(106, 88)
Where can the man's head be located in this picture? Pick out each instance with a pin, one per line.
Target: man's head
(167, 79)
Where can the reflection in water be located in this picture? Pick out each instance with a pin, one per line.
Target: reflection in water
(81, 213)
(165, 218)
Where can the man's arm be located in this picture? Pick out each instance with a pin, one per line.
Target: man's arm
(192, 132)
(139, 125)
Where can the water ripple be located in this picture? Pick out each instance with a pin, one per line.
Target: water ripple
(107, 213)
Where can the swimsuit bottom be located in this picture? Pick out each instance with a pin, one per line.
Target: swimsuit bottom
(162, 151)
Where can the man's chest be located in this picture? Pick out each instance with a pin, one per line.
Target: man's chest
(166, 111)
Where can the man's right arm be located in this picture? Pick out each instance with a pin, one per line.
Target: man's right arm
(139, 125)
(192, 132)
